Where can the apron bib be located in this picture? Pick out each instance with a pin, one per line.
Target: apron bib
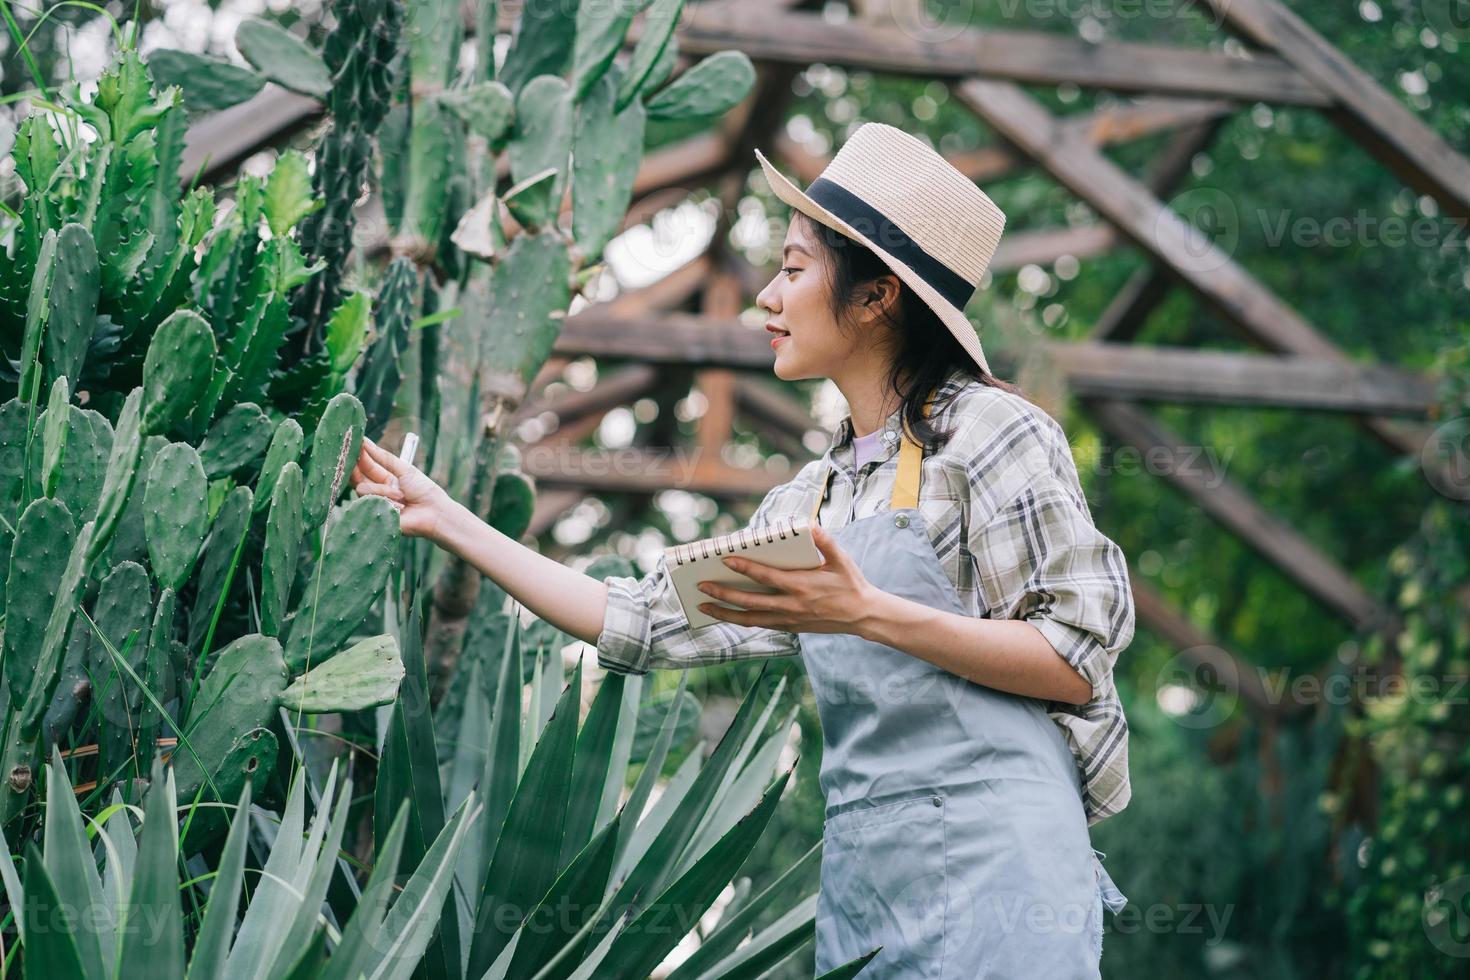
(955, 835)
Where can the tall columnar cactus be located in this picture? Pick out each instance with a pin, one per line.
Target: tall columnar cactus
(360, 55)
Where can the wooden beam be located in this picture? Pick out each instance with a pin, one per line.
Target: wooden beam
(1164, 235)
(220, 141)
(1044, 246)
(1130, 309)
(646, 471)
(1173, 374)
(1022, 56)
(1121, 122)
(1229, 504)
(1378, 121)
(674, 338)
(1090, 368)
(617, 387)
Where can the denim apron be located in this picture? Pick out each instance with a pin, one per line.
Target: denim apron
(955, 835)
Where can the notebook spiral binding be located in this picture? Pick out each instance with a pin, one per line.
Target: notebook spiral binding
(736, 541)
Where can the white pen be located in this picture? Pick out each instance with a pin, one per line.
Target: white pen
(410, 447)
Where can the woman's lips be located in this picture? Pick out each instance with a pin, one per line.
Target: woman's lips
(778, 338)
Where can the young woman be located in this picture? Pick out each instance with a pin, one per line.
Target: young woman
(961, 633)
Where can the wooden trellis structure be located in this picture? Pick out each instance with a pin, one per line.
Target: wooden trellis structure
(689, 319)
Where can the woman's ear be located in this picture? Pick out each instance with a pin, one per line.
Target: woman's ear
(880, 297)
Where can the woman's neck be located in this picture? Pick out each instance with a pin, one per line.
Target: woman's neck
(869, 398)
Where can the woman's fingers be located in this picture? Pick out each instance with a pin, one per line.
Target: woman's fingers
(387, 460)
(381, 489)
(371, 469)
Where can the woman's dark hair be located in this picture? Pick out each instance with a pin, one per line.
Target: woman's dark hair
(925, 350)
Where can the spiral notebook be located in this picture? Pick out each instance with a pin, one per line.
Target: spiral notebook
(785, 543)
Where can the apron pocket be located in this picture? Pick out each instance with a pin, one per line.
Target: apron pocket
(884, 881)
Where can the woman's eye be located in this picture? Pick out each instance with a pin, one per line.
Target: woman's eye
(788, 269)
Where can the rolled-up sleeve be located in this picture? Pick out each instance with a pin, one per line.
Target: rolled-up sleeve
(645, 626)
(1040, 558)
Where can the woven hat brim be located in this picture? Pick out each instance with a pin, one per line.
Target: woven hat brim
(954, 318)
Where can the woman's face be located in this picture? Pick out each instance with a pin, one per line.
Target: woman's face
(806, 339)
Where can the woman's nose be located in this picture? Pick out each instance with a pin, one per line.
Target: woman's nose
(766, 298)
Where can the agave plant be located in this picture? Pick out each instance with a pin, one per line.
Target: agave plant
(527, 861)
(110, 904)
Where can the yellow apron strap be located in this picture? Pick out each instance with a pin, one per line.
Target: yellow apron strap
(905, 486)
(910, 455)
(822, 492)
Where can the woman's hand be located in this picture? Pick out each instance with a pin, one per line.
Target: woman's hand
(421, 503)
(832, 598)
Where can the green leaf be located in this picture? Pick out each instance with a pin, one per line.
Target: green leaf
(711, 88)
(487, 108)
(288, 193)
(73, 869)
(644, 942)
(411, 922)
(409, 770)
(347, 330)
(213, 944)
(527, 855)
(363, 935)
(283, 58)
(153, 928)
(658, 28)
(208, 84)
(363, 676)
(51, 932)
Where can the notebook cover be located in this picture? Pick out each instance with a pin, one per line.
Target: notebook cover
(786, 543)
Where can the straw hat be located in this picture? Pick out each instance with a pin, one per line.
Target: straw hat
(933, 227)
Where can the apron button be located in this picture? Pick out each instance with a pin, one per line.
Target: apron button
(902, 520)
(937, 801)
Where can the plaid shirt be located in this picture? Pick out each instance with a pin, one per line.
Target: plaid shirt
(1010, 525)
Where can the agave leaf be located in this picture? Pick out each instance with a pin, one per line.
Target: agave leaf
(363, 934)
(72, 868)
(50, 952)
(648, 939)
(527, 855)
(409, 769)
(643, 788)
(412, 921)
(742, 792)
(153, 931)
(14, 891)
(321, 858)
(213, 944)
(263, 929)
(851, 968)
(713, 957)
(578, 889)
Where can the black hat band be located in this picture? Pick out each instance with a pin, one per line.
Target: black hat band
(873, 224)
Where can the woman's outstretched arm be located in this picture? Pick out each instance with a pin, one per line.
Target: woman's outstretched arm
(566, 598)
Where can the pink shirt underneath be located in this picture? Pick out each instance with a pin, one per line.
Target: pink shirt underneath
(866, 447)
